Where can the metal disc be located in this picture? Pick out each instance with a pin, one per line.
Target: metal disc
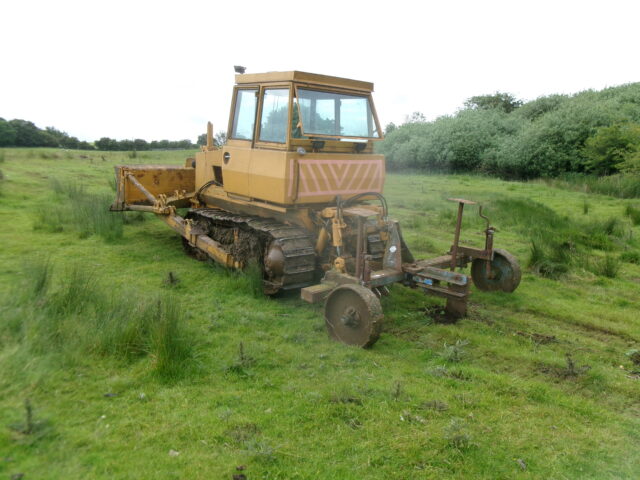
(353, 315)
(504, 273)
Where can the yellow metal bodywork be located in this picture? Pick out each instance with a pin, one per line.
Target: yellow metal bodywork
(292, 182)
(304, 78)
(289, 178)
(299, 171)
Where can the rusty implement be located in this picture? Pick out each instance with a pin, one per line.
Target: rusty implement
(441, 276)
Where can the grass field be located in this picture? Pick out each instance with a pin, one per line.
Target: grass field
(121, 357)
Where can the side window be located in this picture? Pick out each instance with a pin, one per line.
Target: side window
(275, 115)
(245, 115)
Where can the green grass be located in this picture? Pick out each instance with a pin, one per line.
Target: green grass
(618, 185)
(633, 213)
(120, 366)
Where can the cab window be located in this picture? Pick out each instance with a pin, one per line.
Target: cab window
(275, 115)
(245, 115)
(335, 114)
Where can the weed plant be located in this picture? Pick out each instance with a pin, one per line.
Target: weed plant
(607, 266)
(457, 434)
(456, 352)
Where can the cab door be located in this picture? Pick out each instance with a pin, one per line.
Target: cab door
(269, 172)
(236, 154)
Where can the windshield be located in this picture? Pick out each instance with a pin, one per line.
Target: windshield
(336, 114)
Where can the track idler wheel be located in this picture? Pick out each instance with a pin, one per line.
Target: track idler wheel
(504, 273)
(353, 315)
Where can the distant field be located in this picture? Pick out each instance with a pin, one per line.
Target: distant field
(129, 372)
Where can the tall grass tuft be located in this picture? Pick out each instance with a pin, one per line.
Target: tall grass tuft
(630, 256)
(607, 266)
(81, 211)
(77, 316)
(561, 243)
(73, 190)
(546, 261)
(633, 213)
(51, 217)
(168, 343)
(113, 184)
(91, 216)
(1, 174)
(248, 280)
(619, 185)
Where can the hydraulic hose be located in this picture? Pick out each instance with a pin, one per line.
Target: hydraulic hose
(379, 196)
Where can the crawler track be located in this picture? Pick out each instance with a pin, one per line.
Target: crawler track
(285, 253)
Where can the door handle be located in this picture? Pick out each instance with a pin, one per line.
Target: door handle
(226, 157)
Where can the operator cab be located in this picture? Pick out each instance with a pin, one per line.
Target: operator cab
(294, 139)
(293, 110)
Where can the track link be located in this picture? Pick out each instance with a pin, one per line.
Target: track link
(251, 238)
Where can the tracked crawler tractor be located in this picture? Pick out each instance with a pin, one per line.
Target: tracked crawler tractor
(297, 189)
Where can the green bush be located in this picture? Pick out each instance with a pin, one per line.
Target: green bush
(631, 162)
(540, 106)
(610, 146)
(543, 138)
(450, 144)
(554, 142)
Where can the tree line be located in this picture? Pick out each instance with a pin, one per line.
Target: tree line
(591, 132)
(22, 133)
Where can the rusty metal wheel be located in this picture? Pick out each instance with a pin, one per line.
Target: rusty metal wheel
(504, 273)
(353, 315)
(273, 268)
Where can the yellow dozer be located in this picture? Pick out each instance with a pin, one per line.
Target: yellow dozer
(297, 190)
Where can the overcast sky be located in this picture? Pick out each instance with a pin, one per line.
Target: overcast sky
(155, 70)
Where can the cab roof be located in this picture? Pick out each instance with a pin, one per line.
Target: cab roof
(303, 77)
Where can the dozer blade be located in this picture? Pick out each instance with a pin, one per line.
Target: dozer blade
(145, 187)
